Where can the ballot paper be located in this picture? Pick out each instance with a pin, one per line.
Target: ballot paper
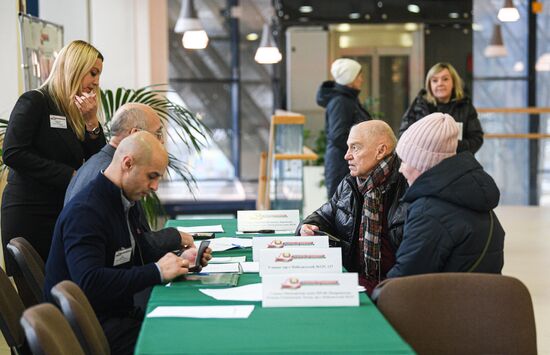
(202, 229)
(250, 267)
(227, 259)
(252, 292)
(241, 311)
(215, 268)
(276, 220)
(226, 243)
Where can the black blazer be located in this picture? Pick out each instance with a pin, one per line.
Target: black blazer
(41, 158)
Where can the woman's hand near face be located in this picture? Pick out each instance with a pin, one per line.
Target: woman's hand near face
(87, 104)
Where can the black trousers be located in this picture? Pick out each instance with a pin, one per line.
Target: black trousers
(122, 331)
(32, 220)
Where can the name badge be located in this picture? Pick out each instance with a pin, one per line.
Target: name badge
(58, 121)
(300, 260)
(122, 256)
(460, 130)
(310, 290)
(260, 243)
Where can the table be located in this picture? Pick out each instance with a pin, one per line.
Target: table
(360, 329)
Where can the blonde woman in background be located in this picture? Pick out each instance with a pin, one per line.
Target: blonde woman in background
(51, 132)
(444, 92)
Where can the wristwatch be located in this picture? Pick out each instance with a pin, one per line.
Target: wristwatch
(96, 131)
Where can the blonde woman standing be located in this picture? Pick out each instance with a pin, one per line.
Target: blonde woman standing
(51, 132)
(444, 93)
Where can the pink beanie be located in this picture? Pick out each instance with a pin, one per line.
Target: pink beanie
(428, 141)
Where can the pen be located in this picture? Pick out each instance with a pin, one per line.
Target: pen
(261, 231)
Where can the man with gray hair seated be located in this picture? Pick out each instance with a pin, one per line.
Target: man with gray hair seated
(128, 119)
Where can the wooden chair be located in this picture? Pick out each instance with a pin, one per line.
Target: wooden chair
(81, 316)
(48, 332)
(460, 313)
(29, 271)
(11, 309)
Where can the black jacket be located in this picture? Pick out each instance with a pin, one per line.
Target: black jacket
(42, 160)
(343, 110)
(89, 233)
(341, 216)
(448, 221)
(462, 111)
(41, 156)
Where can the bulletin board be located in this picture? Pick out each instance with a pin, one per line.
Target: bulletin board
(40, 42)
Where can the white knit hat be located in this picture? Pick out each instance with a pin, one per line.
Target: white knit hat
(345, 70)
(428, 141)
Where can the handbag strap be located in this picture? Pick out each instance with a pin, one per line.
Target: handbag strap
(476, 264)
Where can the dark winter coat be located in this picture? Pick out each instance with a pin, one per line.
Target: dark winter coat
(462, 111)
(343, 110)
(341, 217)
(448, 221)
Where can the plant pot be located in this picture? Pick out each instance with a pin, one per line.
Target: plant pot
(315, 195)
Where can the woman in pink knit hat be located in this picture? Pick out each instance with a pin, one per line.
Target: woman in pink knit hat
(450, 225)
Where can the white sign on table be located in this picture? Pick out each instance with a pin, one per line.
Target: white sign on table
(277, 221)
(304, 260)
(310, 290)
(273, 242)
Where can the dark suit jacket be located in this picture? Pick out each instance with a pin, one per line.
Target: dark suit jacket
(38, 154)
(41, 161)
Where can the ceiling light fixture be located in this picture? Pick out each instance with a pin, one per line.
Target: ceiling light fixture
(306, 9)
(543, 63)
(267, 52)
(354, 15)
(252, 36)
(508, 13)
(496, 47)
(194, 35)
(415, 9)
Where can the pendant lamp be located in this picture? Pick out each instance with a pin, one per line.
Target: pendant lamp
(496, 47)
(194, 35)
(267, 53)
(508, 13)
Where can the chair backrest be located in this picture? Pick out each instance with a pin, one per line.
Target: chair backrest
(460, 313)
(81, 317)
(29, 273)
(11, 309)
(48, 332)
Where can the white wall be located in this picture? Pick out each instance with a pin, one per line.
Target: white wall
(121, 31)
(9, 60)
(71, 14)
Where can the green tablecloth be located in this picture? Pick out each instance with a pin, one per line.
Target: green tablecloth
(268, 330)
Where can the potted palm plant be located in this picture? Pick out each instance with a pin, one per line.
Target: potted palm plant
(185, 127)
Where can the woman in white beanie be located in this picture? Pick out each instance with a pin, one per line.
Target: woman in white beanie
(450, 225)
(444, 93)
(343, 110)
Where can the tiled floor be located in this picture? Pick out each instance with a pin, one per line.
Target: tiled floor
(527, 257)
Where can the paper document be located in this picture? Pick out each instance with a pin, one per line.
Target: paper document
(221, 244)
(202, 229)
(288, 232)
(275, 220)
(227, 259)
(203, 312)
(214, 268)
(250, 266)
(251, 292)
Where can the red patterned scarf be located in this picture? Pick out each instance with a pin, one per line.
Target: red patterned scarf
(370, 230)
